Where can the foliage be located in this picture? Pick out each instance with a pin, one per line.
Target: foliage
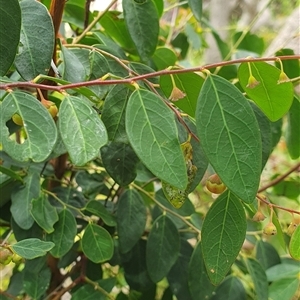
(99, 156)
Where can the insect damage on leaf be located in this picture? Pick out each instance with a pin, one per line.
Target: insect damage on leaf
(177, 196)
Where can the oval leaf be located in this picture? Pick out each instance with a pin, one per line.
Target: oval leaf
(162, 248)
(37, 42)
(196, 8)
(142, 21)
(152, 132)
(223, 234)
(40, 129)
(32, 248)
(131, 219)
(230, 136)
(82, 130)
(10, 27)
(272, 97)
(97, 243)
(294, 246)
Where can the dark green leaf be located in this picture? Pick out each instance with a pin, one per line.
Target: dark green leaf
(120, 162)
(36, 42)
(41, 133)
(274, 98)
(21, 200)
(223, 234)
(230, 137)
(64, 233)
(11, 173)
(196, 8)
(293, 130)
(142, 21)
(266, 254)
(98, 209)
(36, 284)
(97, 243)
(152, 132)
(164, 58)
(291, 67)
(10, 26)
(231, 288)
(44, 213)
(178, 275)
(162, 248)
(32, 248)
(131, 219)
(82, 131)
(199, 283)
(259, 278)
(249, 42)
(288, 188)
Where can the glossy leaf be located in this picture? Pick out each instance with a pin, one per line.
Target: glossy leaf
(120, 162)
(131, 219)
(272, 97)
(99, 210)
(152, 132)
(199, 283)
(190, 84)
(266, 255)
(113, 115)
(40, 129)
(231, 288)
(284, 289)
(64, 233)
(44, 213)
(196, 8)
(36, 41)
(222, 238)
(178, 275)
(35, 284)
(259, 279)
(97, 243)
(294, 246)
(162, 248)
(21, 200)
(10, 27)
(142, 21)
(229, 136)
(293, 130)
(32, 248)
(82, 131)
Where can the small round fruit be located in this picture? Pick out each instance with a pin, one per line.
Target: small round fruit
(270, 229)
(215, 185)
(292, 227)
(5, 256)
(258, 217)
(16, 258)
(51, 107)
(17, 119)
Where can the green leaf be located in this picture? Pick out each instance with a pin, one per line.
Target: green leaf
(272, 97)
(281, 271)
(267, 255)
(259, 278)
(97, 243)
(284, 289)
(152, 132)
(162, 248)
(131, 219)
(10, 27)
(287, 188)
(294, 245)
(222, 238)
(21, 200)
(164, 58)
(250, 42)
(82, 131)
(291, 67)
(11, 173)
(40, 129)
(98, 209)
(36, 284)
(32, 248)
(64, 233)
(196, 8)
(142, 21)
(199, 283)
(190, 84)
(120, 162)
(178, 275)
(44, 213)
(293, 130)
(36, 42)
(113, 114)
(229, 136)
(73, 69)
(231, 288)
